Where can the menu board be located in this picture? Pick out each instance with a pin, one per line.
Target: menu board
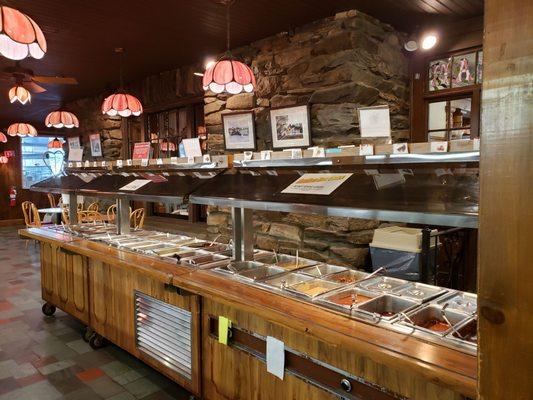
(322, 184)
(141, 151)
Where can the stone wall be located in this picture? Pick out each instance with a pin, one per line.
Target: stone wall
(335, 65)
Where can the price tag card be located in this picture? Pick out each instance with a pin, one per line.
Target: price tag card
(438, 147)
(366, 150)
(144, 162)
(129, 162)
(136, 184)
(87, 164)
(319, 152)
(159, 161)
(190, 160)
(78, 164)
(95, 164)
(103, 164)
(70, 165)
(119, 163)
(206, 158)
(248, 155)
(173, 160)
(476, 144)
(400, 148)
(266, 155)
(296, 153)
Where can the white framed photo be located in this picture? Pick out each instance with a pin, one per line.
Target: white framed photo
(291, 127)
(239, 131)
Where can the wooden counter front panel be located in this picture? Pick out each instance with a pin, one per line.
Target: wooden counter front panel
(112, 294)
(64, 281)
(229, 373)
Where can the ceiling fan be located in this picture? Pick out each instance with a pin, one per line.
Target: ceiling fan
(25, 77)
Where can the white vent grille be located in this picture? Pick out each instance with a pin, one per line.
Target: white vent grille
(163, 331)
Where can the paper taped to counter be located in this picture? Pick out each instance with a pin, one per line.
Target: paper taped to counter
(275, 356)
(323, 184)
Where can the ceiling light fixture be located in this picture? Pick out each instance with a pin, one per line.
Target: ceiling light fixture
(120, 103)
(3, 138)
(21, 129)
(4, 160)
(61, 119)
(227, 74)
(429, 41)
(411, 45)
(20, 36)
(19, 93)
(55, 144)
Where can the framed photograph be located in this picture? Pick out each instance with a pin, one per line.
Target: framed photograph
(291, 127)
(239, 131)
(464, 70)
(439, 74)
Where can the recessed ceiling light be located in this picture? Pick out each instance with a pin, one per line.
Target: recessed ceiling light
(429, 41)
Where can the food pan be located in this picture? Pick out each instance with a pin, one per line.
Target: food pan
(320, 270)
(286, 280)
(347, 277)
(419, 291)
(346, 299)
(433, 319)
(459, 301)
(261, 273)
(313, 288)
(386, 307)
(382, 284)
(202, 259)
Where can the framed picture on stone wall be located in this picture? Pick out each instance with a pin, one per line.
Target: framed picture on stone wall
(291, 127)
(239, 130)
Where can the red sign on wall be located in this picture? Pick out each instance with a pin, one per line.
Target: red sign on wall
(9, 153)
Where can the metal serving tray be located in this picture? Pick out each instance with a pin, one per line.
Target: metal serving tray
(459, 301)
(202, 259)
(419, 291)
(313, 288)
(386, 307)
(382, 284)
(347, 277)
(261, 273)
(346, 299)
(236, 267)
(288, 263)
(286, 280)
(465, 332)
(416, 319)
(322, 269)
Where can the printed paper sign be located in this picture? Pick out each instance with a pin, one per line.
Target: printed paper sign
(366, 150)
(275, 356)
(318, 152)
(438, 147)
(75, 154)
(192, 147)
(141, 151)
(323, 184)
(400, 148)
(136, 184)
(374, 121)
(266, 155)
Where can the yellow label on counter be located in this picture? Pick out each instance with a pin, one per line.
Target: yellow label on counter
(224, 325)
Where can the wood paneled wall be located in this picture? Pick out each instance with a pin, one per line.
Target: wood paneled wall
(11, 175)
(505, 279)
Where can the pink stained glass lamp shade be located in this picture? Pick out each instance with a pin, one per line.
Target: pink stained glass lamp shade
(21, 129)
(61, 119)
(122, 104)
(20, 36)
(55, 144)
(3, 138)
(229, 76)
(20, 94)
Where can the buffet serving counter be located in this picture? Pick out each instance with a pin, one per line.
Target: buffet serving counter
(123, 289)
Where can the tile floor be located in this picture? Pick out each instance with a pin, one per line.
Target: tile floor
(44, 358)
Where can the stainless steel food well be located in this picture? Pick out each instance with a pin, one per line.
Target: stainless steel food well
(347, 276)
(459, 301)
(386, 307)
(421, 317)
(321, 270)
(313, 288)
(261, 273)
(286, 280)
(346, 298)
(419, 291)
(382, 284)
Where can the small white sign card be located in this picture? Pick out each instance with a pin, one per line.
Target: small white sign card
(275, 356)
(374, 121)
(318, 183)
(318, 151)
(75, 154)
(400, 148)
(438, 147)
(192, 147)
(366, 150)
(136, 184)
(266, 154)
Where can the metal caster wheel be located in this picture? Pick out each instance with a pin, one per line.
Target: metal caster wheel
(87, 334)
(97, 341)
(48, 309)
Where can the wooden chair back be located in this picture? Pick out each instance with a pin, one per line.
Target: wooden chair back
(137, 218)
(65, 217)
(112, 213)
(31, 215)
(52, 200)
(79, 207)
(89, 216)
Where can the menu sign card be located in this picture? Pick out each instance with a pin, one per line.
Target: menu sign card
(136, 184)
(321, 183)
(141, 151)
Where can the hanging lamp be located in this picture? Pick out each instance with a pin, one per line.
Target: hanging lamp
(227, 74)
(121, 103)
(21, 129)
(3, 138)
(55, 144)
(4, 160)
(61, 119)
(20, 36)
(19, 93)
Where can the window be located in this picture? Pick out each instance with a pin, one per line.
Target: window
(37, 161)
(449, 119)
